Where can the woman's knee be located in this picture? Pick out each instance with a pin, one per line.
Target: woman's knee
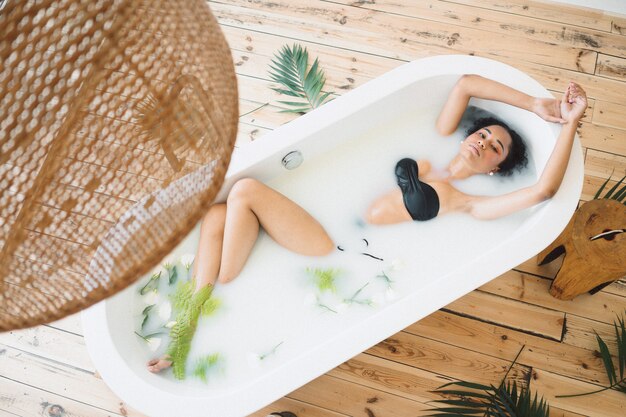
(325, 247)
(224, 276)
(243, 190)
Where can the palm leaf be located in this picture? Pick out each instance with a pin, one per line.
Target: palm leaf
(300, 111)
(595, 197)
(466, 384)
(606, 359)
(619, 196)
(614, 383)
(504, 401)
(289, 68)
(286, 92)
(621, 345)
(292, 103)
(612, 190)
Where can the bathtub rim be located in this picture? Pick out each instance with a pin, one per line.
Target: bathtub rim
(407, 310)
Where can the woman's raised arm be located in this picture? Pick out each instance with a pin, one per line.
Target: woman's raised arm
(573, 105)
(471, 85)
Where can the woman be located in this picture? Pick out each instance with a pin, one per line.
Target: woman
(230, 229)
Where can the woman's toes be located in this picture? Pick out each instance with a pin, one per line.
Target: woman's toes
(156, 365)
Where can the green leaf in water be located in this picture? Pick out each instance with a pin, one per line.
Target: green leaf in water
(325, 278)
(210, 306)
(152, 283)
(204, 365)
(354, 300)
(146, 315)
(172, 275)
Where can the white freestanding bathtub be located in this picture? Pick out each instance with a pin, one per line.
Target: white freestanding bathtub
(349, 147)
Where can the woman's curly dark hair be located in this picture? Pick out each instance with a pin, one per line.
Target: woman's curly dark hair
(516, 159)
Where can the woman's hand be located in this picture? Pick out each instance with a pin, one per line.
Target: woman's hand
(549, 109)
(573, 103)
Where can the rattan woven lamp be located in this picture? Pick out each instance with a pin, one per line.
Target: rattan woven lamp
(117, 123)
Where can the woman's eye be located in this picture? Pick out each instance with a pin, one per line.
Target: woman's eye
(482, 135)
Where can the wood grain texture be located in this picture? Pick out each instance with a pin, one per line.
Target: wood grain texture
(504, 343)
(610, 114)
(602, 307)
(383, 29)
(603, 404)
(611, 67)
(510, 313)
(553, 12)
(448, 360)
(26, 401)
(506, 25)
(301, 409)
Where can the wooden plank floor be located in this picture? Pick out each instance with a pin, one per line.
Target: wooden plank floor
(46, 370)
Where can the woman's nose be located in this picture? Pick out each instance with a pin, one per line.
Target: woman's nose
(481, 144)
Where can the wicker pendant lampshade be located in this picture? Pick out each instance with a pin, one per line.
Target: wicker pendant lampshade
(117, 123)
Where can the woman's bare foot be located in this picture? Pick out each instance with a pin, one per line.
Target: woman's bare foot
(157, 365)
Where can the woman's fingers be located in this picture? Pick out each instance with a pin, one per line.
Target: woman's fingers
(565, 98)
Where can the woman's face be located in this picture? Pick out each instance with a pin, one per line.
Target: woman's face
(486, 148)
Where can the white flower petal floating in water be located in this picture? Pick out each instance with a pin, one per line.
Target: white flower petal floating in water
(168, 262)
(170, 324)
(151, 297)
(154, 343)
(254, 360)
(165, 310)
(187, 260)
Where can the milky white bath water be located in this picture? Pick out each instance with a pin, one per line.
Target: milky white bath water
(274, 311)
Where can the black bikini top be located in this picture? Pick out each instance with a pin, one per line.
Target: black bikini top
(420, 199)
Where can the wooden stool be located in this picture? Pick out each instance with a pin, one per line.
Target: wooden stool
(589, 265)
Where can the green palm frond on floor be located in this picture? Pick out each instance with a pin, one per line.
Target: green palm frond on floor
(290, 68)
(472, 399)
(488, 400)
(615, 382)
(615, 193)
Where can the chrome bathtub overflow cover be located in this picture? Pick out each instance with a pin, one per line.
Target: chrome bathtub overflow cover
(293, 160)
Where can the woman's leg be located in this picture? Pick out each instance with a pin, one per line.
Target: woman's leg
(250, 204)
(206, 264)
(230, 231)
